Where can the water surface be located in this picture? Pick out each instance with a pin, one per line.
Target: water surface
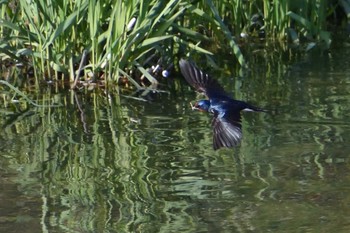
(107, 164)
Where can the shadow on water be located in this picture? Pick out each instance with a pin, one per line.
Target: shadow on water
(104, 164)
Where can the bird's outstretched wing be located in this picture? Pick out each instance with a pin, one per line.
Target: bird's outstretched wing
(200, 81)
(227, 130)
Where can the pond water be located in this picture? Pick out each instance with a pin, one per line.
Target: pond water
(103, 163)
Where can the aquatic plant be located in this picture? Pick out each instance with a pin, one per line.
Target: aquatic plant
(136, 40)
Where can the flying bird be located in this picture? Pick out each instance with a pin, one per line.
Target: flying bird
(226, 123)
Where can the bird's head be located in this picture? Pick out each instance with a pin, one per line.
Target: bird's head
(201, 105)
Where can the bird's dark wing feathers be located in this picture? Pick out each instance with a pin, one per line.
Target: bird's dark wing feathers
(227, 130)
(226, 122)
(200, 81)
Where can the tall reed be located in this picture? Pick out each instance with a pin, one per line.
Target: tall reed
(122, 36)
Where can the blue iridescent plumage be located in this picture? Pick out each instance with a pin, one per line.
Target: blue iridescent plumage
(227, 118)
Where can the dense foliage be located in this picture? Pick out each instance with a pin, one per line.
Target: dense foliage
(132, 39)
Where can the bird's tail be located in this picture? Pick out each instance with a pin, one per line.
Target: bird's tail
(251, 108)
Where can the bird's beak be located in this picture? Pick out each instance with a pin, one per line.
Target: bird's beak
(193, 107)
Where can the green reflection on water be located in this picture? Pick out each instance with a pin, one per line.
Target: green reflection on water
(107, 165)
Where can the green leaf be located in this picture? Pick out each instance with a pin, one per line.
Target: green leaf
(155, 40)
(228, 35)
(192, 46)
(145, 73)
(306, 23)
(63, 26)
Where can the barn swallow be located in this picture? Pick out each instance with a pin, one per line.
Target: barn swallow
(226, 121)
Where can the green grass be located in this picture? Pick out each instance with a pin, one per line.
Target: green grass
(126, 38)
